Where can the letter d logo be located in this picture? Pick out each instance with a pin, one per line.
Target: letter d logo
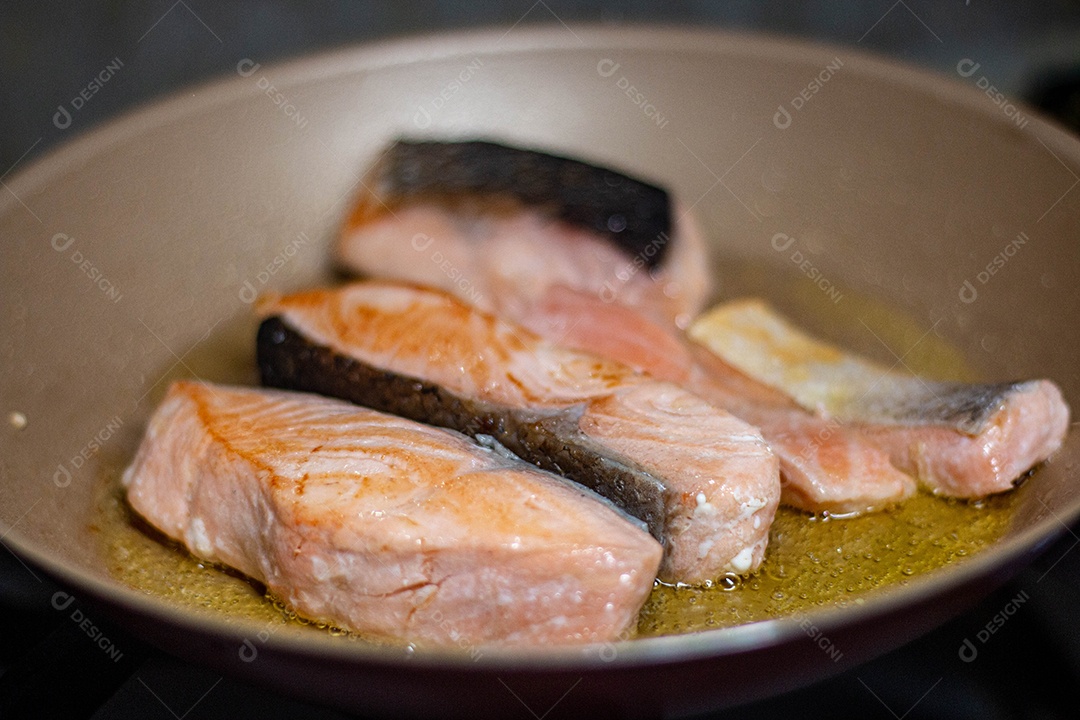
(62, 118)
(782, 118)
(968, 293)
(607, 67)
(62, 477)
(781, 242)
(61, 242)
(248, 293)
(422, 118)
(61, 600)
(247, 651)
(246, 67)
(967, 67)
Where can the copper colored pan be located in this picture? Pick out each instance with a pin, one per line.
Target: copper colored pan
(128, 247)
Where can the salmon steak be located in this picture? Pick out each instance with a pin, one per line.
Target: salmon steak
(958, 439)
(704, 481)
(501, 226)
(388, 527)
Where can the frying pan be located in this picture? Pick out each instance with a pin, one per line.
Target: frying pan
(125, 250)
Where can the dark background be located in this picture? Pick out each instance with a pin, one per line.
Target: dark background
(50, 51)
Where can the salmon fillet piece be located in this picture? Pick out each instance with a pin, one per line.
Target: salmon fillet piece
(499, 225)
(1028, 427)
(704, 481)
(959, 439)
(387, 527)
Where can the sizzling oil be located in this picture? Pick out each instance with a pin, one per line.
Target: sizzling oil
(810, 563)
(814, 563)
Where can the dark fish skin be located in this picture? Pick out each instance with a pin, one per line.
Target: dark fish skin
(633, 214)
(548, 439)
(963, 406)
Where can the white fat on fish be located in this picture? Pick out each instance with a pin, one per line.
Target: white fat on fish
(743, 561)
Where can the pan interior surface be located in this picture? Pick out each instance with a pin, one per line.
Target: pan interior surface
(132, 255)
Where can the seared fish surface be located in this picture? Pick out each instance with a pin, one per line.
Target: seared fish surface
(387, 527)
(704, 481)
